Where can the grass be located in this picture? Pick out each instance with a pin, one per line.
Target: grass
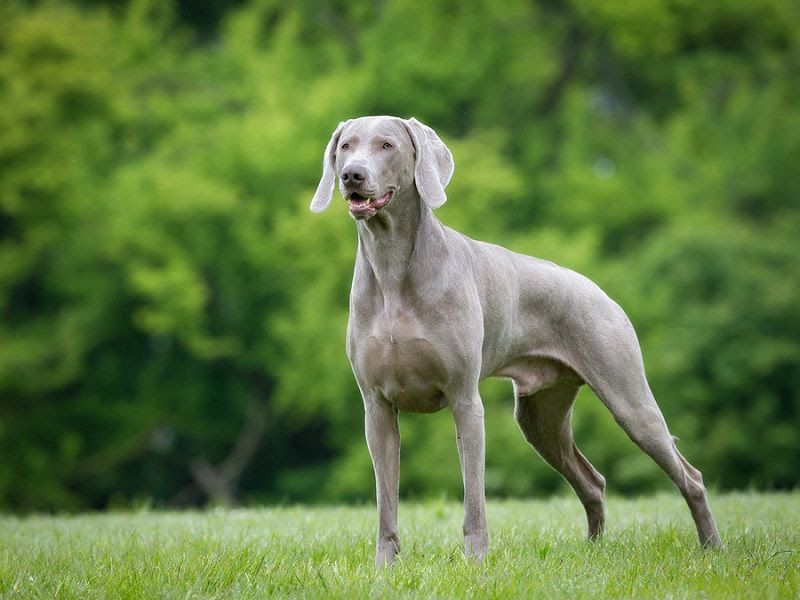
(537, 551)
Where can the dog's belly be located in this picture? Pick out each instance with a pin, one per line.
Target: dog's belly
(403, 369)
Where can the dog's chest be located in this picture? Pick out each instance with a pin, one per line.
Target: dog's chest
(392, 357)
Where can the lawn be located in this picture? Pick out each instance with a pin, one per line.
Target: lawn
(537, 551)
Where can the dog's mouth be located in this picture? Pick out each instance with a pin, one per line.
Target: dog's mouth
(363, 207)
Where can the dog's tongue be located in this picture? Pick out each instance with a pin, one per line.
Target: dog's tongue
(380, 202)
(361, 205)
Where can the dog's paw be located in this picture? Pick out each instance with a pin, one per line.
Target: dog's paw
(476, 545)
(387, 549)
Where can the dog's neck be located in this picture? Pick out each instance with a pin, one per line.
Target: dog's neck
(390, 242)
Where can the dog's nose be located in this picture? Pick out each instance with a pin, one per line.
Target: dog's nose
(354, 174)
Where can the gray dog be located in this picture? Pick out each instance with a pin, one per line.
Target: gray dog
(433, 312)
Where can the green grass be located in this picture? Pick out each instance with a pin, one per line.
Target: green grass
(537, 551)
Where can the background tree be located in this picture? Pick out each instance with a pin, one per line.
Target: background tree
(172, 317)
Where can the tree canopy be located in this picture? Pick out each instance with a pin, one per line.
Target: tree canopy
(172, 317)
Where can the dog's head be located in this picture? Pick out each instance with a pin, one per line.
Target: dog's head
(379, 158)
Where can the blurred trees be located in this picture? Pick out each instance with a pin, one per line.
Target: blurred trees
(172, 318)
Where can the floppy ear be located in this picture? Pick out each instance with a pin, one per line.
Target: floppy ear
(324, 193)
(433, 166)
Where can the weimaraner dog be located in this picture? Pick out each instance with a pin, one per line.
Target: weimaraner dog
(433, 312)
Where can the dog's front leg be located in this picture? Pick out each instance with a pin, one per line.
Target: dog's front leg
(471, 451)
(383, 440)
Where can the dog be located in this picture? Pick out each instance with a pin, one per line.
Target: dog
(433, 312)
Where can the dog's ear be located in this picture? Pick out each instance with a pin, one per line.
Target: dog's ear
(433, 165)
(324, 194)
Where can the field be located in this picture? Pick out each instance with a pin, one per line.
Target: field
(537, 551)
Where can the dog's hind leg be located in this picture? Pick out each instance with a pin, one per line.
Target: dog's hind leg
(632, 404)
(545, 420)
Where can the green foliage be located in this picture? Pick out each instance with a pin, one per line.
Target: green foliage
(163, 286)
(722, 314)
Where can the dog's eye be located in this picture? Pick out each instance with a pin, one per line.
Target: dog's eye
(387, 146)
(345, 146)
